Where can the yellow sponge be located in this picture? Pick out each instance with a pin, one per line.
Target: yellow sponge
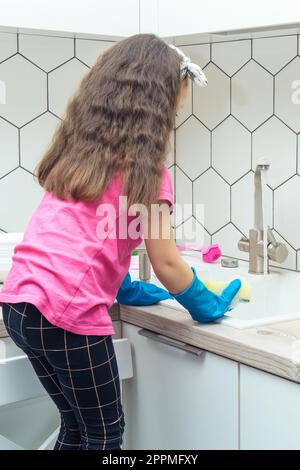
(217, 286)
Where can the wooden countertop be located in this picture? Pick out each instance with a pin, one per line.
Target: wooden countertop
(272, 348)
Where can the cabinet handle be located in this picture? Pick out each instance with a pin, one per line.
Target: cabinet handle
(170, 342)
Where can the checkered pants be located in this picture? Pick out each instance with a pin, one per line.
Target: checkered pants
(80, 374)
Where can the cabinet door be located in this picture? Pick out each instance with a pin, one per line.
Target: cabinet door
(113, 17)
(176, 18)
(178, 400)
(269, 411)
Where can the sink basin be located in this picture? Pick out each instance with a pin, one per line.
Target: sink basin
(274, 297)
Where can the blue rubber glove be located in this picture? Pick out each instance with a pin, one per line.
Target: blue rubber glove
(203, 305)
(140, 292)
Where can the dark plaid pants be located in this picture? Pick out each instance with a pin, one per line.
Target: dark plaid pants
(80, 374)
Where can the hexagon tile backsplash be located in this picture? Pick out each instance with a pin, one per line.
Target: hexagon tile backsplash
(40, 74)
(250, 109)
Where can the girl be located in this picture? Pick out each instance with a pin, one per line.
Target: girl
(73, 260)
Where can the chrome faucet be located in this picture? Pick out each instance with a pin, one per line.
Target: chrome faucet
(261, 245)
(144, 263)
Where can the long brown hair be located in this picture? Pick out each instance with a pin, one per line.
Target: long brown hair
(120, 118)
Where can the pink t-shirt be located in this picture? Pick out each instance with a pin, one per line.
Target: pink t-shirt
(65, 269)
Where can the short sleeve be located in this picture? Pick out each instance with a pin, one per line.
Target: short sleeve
(166, 188)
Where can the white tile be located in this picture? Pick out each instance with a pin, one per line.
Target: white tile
(274, 53)
(47, 52)
(9, 148)
(88, 50)
(228, 238)
(286, 213)
(231, 161)
(277, 143)
(212, 103)
(211, 191)
(191, 231)
(170, 157)
(290, 262)
(26, 92)
(35, 138)
(231, 56)
(198, 53)
(71, 74)
(186, 110)
(193, 147)
(298, 260)
(252, 95)
(287, 94)
(242, 204)
(8, 45)
(183, 197)
(19, 205)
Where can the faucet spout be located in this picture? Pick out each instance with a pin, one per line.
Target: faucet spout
(261, 244)
(258, 196)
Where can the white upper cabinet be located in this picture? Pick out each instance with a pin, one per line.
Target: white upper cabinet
(105, 17)
(179, 17)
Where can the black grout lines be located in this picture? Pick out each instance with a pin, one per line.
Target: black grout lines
(9, 172)
(19, 146)
(262, 67)
(237, 40)
(47, 91)
(297, 153)
(274, 95)
(210, 148)
(230, 96)
(175, 167)
(251, 150)
(26, 169)
(273, 208)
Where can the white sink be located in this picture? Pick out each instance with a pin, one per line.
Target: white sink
(274, 297)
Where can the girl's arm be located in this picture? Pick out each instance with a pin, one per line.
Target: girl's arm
(174, 273)
(178, 277)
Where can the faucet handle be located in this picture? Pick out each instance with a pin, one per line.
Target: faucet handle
(277, 251)
(271, 237)
(243, 244)
(262, 164)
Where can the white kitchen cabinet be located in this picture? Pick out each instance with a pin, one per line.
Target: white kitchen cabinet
(175, 17)
(178, 399)
(113, 17)
(269, 411)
